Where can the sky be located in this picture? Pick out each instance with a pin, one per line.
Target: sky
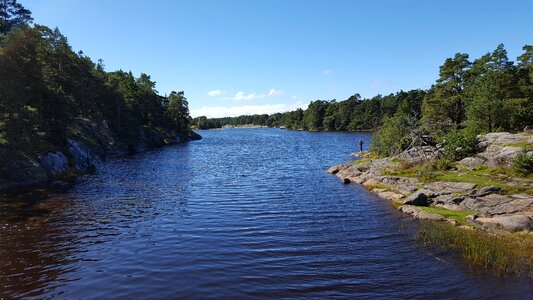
(235, 57)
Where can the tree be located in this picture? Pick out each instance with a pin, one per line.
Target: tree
(13, 14)
(445, 104)
(178, 113)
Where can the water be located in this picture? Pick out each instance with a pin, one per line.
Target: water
(243, 213)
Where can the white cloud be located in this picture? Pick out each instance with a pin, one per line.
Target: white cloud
(241, 96)
(326, 72)
(274, 92)
(215, 93)
(234, 111)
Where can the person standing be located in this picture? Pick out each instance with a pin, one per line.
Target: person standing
(361, 145)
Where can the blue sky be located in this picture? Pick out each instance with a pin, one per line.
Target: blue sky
(245, 56)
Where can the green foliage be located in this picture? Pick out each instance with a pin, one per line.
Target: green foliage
(443, 164)
(45, 87)
(460, 144)
(12, 15)
(523, 163)
(392, 137)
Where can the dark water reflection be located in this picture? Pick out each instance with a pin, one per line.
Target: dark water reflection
(244, 213)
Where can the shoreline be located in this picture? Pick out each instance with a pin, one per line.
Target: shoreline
(58, 168)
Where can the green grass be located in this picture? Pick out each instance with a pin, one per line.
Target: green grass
(457, 216)
(522, 144)
(506, 253)
(483, 180)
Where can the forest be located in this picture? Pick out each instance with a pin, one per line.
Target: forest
(470, 97)
(46, 88)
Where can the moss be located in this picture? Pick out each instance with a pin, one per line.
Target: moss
(457, 216)
(506, 253)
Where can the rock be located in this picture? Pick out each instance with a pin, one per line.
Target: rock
(390, 195)
(19, 170)
(504, 138)
(472, 161)
(448, 199)
(442, 187)
(508, 222)
(335, 169)
(193, 136)
(485, 191)
(429, 216)
(371, 182)
(85, 159)
(409, 209)
(419, 198)
(497, 156)
(345, 180)
(403, 185)
(418, 213)
(360, 154)
(54, 163)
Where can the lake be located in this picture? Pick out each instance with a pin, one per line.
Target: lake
(243, 213)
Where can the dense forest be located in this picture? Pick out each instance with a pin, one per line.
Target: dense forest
(47, 90)
(488, 94)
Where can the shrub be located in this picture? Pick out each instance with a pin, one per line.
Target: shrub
(523, 163)
(460, 144)
(392, 138)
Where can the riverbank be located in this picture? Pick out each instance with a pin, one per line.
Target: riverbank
(88, 143)
(478, 194)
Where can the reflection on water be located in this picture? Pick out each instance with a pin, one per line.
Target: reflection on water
(244, 213)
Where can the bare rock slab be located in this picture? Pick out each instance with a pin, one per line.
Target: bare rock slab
(444, 187)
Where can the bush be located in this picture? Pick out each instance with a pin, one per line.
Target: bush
(523, 163)
(392, 138)
(460, 144)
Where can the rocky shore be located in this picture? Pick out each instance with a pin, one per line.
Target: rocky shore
(89, 143)
(474, 193)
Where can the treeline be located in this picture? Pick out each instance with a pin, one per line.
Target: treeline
(45, 87)
(491, 93)
(353, 114)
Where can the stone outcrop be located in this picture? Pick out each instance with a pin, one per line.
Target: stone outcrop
(491, 208)
(499, 149)
(89, 142)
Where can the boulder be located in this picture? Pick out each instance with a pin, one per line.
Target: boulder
(419, 198)
(54, 163)
(418, 213)
(345, 180)
(443, 187)
(472, 161)
(390, 195)
(508, 222)
(85, 159)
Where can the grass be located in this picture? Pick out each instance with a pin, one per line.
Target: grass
(508, 254)
(458, 216)
(522, 144)
(483, 180)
